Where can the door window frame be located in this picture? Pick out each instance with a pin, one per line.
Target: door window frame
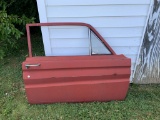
(91, 28)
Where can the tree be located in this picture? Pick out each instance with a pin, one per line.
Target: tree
(9, 34)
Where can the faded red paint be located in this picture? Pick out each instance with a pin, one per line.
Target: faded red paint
(76, 78)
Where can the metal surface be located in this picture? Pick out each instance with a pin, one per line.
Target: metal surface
(76, 78)
(32, 65)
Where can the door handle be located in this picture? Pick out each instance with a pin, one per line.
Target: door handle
(32, 65)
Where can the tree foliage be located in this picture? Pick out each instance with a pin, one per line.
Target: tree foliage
(22, 7)
(9, 34)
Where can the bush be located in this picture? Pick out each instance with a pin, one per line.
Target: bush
(23, 7)
(9, 34)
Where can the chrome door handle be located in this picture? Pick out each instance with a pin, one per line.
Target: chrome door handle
(32, 65)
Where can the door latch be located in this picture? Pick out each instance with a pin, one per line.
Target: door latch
(32, 65)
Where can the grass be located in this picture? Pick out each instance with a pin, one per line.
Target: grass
(142, 101)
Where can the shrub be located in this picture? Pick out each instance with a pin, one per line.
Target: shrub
(9, 34)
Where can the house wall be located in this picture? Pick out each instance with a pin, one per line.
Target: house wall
(120, 22)
(148, 65)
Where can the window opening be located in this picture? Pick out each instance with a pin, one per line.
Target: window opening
(97, 46)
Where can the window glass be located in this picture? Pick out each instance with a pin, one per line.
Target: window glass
(97, 47)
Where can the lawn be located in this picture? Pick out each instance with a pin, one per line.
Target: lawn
(141, 103)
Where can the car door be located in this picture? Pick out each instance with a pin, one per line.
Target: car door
(97, 75)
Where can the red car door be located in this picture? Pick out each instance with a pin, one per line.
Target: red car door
(100, 76)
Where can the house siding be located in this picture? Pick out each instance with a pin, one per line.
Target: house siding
(148, 64)
(120, 22)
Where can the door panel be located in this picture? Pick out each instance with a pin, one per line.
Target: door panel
(85, 78)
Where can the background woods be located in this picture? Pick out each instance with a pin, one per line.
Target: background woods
(14, 15)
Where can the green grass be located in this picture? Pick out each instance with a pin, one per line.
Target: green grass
(142, 101)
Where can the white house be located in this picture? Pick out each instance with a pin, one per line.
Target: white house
(122, 23)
